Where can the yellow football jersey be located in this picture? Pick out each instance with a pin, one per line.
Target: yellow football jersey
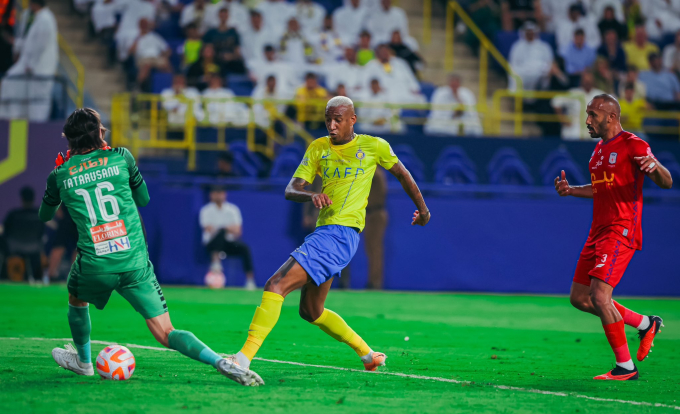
(347, 171)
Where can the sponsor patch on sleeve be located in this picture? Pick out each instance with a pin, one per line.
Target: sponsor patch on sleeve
(108, 231)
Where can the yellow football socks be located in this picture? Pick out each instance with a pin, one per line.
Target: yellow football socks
(331, 323)
(266, 316)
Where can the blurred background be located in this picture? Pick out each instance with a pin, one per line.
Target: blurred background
(483, 101)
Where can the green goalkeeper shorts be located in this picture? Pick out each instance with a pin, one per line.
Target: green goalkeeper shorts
(139, 287)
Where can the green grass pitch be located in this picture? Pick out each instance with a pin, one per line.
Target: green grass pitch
(488, 343)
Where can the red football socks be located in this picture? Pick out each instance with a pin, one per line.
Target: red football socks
(630, 318)
(616, 336)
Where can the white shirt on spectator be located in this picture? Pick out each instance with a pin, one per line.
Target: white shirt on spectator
(574, 107)
(374, 117)
(564, 34)
(103, 14)
(445, 121)
(382, 23)
(597, 8)
(176, 105)
(224, 112)
(345, 73)
(239, 16)
(253, 42)
(348, 21)
(329, 47)
(205, 19)
(310, 16)
(531, 61)
(667, 14)
(283, 71)
(128, 29)
(275, 15)
(150, 45)
(556, 11)
(396, 78)
(263, 112)
(671, 58)
(219, 217)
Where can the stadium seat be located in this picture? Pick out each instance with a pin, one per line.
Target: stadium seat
(559, 160)
(408, 157)
(285, 165)
(246, 164)
(427, 89)
(160, 81)
(241, 85)
(454, 171)
(458, 153)
(507, 168)
(296, 148)
(177, 48)
(669, 161)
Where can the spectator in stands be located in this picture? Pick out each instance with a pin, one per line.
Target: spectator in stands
(578, 56)
(565, 29)
(310, 100)
(612, 51)
(198, 13)
(341, 90)
(266, 112)
(599, 10)
(461, 118)
(176, 100)
(572, 109)
(365, 53)
(374, 117)
(330, 49)
(486, 14)
(128, 28)
(271, 65)
(662, 18)
(404, 52)
(604, 77)
(632, 78)
(296, 48)
(23, 232)
(671, 56)
(385, 20)
(349, 21)
(347, 73)
(663, 87)
(225, 165)
(276, 14)
(238, 14)
(639, 49)
(150, 52)
(514, 13)
(530, 58)
(191, 50)
(632, 109)
(26, 89)
(609, 22)
(227, 43)
(207, 65)
(219, 104)
(222, 226)
(394, 75)
(311, 16)
(255, 36)
(103, 20)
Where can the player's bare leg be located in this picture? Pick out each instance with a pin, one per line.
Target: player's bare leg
(77, 359)
(187, 344)
(612, 322)
(312, 300)
(647, 326)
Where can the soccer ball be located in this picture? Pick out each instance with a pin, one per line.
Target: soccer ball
(215, 279)
(115, 362)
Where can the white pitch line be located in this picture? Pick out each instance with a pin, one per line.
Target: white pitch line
(394, 374)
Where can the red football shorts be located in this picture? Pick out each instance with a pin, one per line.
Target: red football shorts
(605, 259)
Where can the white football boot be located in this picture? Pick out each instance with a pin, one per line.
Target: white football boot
(232, 370)
(68, 359)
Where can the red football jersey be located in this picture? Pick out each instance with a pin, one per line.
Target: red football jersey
(617, 189)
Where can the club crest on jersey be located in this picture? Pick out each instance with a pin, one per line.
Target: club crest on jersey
(612, 158)
(360, 155)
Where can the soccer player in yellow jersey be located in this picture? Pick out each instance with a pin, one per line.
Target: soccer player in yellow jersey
(346, 162)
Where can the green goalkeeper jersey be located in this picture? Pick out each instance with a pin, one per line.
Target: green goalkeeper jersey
(97, 188)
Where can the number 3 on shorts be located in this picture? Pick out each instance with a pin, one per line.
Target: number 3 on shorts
(101, 202)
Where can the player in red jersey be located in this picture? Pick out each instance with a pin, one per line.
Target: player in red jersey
(617, 169)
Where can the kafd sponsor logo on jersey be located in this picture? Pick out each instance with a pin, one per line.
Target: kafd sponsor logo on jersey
(108, 231)
(112, 246)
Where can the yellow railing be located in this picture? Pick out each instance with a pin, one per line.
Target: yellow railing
(76, 73)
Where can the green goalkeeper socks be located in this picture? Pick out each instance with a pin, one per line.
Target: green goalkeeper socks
(186, 343)
(79, 321)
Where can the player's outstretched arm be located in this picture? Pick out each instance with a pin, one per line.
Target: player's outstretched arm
(295, 191)
(564, 189)
(422, 215)
(657, 172)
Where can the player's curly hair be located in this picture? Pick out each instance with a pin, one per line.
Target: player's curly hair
(83, 130)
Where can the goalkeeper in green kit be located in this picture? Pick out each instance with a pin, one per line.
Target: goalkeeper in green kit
(102, 188)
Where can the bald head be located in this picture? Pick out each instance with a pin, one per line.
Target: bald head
(607, 103)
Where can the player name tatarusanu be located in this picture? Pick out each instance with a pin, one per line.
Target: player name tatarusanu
(91, 176)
